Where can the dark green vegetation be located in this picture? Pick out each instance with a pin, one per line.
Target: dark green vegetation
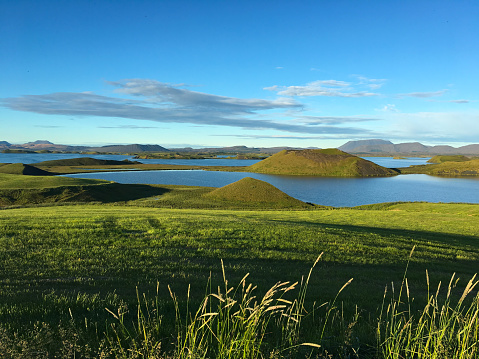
(72, 277)
(451, 158)
(327, 162)
(22, 169)
(28, 190)
(446, 168)
(85, 161)
(259, 193)
(62, 266)
(200, 155)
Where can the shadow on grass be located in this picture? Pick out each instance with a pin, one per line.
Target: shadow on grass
(106, 193)
(441, 240)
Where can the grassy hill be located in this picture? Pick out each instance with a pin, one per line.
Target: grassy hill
(451, 158)
(447, 168)
(85, 161)
(35, 190)
(325, 162)
(23, 169)
(257, 193)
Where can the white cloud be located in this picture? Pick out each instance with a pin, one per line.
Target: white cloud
(332, 88)
(388, 108)
(372, 84)
(423, 94)
(320, 88)
(166, 103)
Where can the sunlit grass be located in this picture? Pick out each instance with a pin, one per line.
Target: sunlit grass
(62, 266)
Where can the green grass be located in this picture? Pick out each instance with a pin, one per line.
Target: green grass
(62, 266)
(22, 169)
(10, 181)
(447, 168)
(255, 192)
(35, 190)
(450, 158)
(326, 162)
(85, 161)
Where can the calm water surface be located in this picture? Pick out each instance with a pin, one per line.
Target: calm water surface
(30, 158)
(337, 192)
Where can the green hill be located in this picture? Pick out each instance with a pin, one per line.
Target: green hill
(448, 168)
(85, 161)
(326, 162)
(23, 169)
(253, 191)
(451, 158)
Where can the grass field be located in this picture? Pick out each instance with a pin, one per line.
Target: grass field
(62, 266)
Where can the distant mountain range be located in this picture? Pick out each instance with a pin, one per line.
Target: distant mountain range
(365, 147)
(42, 145)
(382, 147)
(48, 146)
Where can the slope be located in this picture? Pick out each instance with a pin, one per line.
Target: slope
(253, 191)
(326, 162)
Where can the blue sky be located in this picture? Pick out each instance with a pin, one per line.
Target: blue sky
(255, 73)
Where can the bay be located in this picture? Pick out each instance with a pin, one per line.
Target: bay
(337, 192)
(328, 191)
(31, 158)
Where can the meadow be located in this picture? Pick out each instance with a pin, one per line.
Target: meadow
(118, 280)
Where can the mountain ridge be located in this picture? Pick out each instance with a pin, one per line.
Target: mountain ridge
(383, 147)
(366, 147)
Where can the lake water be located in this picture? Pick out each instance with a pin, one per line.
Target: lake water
(329, 191)
(337, 192)
(29, 158)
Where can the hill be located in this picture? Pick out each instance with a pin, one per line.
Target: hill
(326, 162)
(22, 169)
(447, 168)
(4, 144)
(129, 148)
(85, 161)
(383, 147)
(253, 191)
(451, 158)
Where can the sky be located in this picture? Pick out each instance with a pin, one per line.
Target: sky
(254, 73)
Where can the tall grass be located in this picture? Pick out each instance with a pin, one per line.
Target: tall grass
(233, 322)
(444, 328)
(230, 322)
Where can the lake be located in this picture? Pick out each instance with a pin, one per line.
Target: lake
(328, 191)
(337, 192)
(30, 158)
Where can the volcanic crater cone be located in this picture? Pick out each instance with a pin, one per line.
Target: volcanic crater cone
(326, 162)
(250, 190)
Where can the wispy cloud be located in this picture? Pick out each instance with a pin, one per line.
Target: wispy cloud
(332, 120)
(152, 100)
(373, 84)
(48, 126)
(129, 127)
(269, 137)
(388, 108)
(460, 101)
(333, 88)
(423, 94)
